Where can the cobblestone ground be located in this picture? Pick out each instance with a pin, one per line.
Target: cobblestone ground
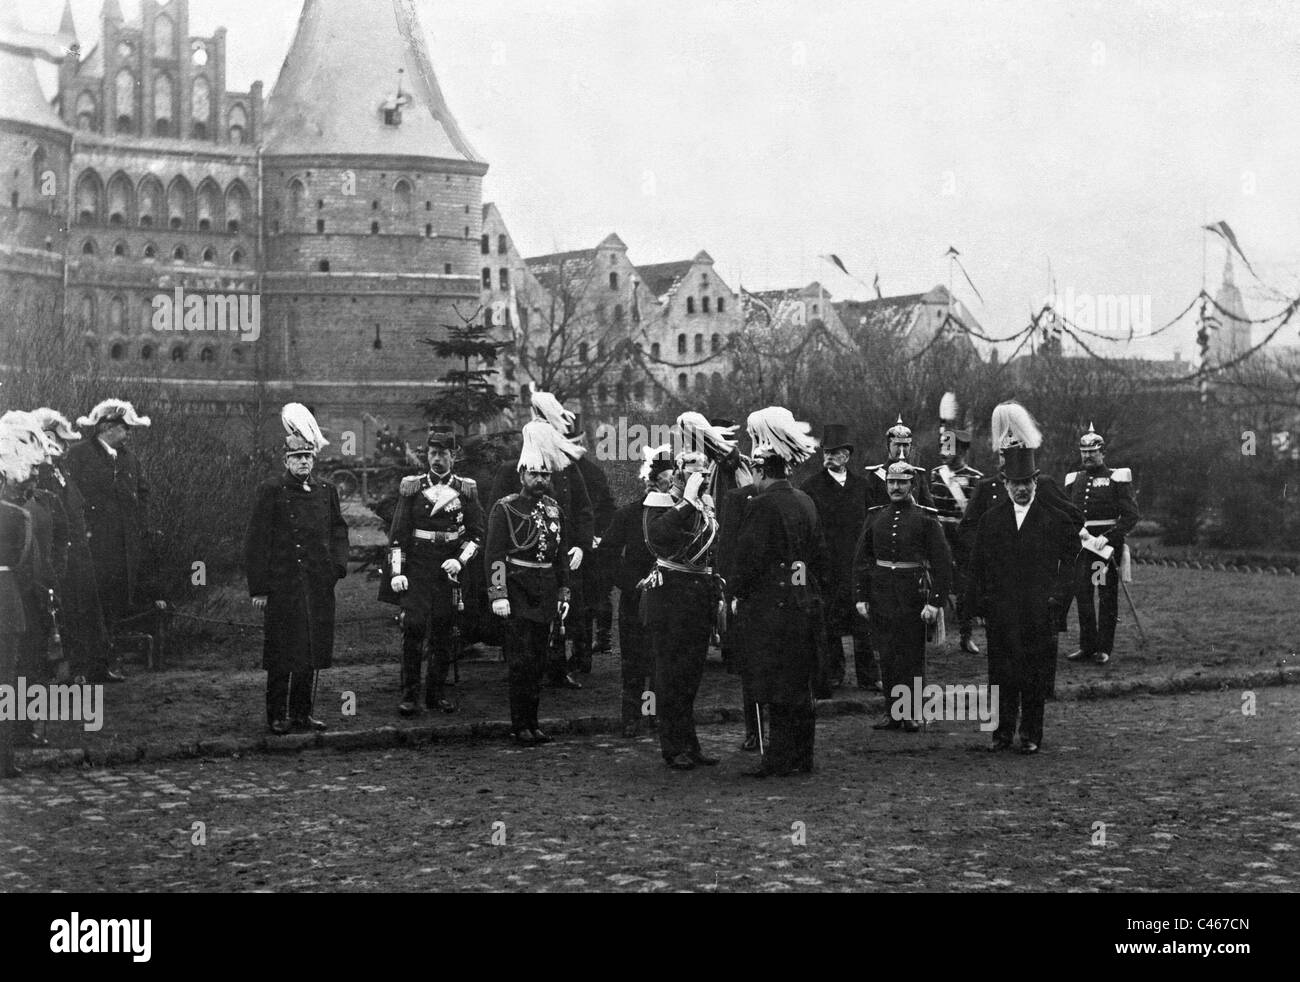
(1193, 795)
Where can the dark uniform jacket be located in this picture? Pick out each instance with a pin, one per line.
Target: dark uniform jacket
(731, 518)
(902, 532)
(1020, 580)
(17, 545)
(532, 531)
(454, 517)
(296, 550)
(82, 619)
(992, 491)
(842, 511)
(116, 499)
(1105, 498)
(781, 601)
(570, 493)
(602, 502)
(624, 547)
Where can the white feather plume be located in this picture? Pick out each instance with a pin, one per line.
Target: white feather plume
(648, 456)
(53, 421)
(28, 428)
(298, 421)
(1012, 425)
(544, 447)
(775, 430)
(948, 407)
(21, 452)
(547, 407)
(114, 407)
(699, 434)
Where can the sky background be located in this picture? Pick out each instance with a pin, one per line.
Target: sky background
(1099, 135)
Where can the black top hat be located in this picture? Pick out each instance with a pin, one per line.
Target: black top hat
(441, 438)
(835, 436)
(1018, 464)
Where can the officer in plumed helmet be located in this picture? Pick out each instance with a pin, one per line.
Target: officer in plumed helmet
(295, 552)
(436, 531)
(1104, 495)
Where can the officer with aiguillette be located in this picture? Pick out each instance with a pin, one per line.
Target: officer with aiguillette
(437, 529)
(1105, 497)
(952, 485)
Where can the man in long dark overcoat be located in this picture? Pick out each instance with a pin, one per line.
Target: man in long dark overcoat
(296, 550)
(1021, 573)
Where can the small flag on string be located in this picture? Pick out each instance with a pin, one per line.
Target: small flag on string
(1224, 231)
(953, 254)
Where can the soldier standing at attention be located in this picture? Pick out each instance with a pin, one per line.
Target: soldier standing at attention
(952, 485)
(526, 558)
(437, 529)
(898, 440)
(1105, 497)
(296, 550)
(902, 575)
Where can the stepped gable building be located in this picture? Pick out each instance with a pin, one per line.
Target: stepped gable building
(349, 206)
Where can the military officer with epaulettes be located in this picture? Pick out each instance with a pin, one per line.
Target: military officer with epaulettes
(902, 575)
(527, 564)
(1104, 495)
(898, 440)
(436, 530)
(952, 485)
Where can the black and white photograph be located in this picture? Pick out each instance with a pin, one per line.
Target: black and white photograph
(731, 446)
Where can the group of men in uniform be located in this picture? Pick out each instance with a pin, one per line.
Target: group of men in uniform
(71, 520)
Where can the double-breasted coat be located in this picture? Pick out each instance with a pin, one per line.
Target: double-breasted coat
(842, 509)
(296, 550)
(116, 500)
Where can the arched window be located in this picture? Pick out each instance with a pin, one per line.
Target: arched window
(88, 247)
(297, 196)
(86, 312)
(682, 382)
(146, 352)
(654, 351)
(504, 278)
(116, 315)
(618, 313)
(690, 305)
(178, 204)
(117, 351)
(120, 250)
(150, 251)
(164, 37)
(374, 228)
(705, 304)
(209, 205)
(200, 107)
(163, 104)
(151, 200)
(715, 343)
(716, 381)
(402, 199)
(487, 277)
(178, 352)
(87, 111)
(121, 194)
(681, 344)
(485, 244)
(236, 204)
(699, 382)
(209, 255)
(613, 281)
(237, 124)
(124, 91)
(178, 254)
(237, 355)
(88, 198)
(237, 257)
(324, 266)
(722, 305)
(699, 344)
(501, 245)
(208, 355)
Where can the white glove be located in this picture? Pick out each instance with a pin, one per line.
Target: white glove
(692, 492)
(929, 613)
(861, 608)
(734, 604)
(1084, 534)
(501, 607)
(1102, 541)
(595, 543)
(562, 608)
(575, 557)
(399, 584)
(409, 486)
(452, 567)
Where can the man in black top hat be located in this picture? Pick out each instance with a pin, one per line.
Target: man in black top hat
(841, 499)
(1019, 581)
(436, 530)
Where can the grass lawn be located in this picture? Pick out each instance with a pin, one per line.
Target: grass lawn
(213, 687)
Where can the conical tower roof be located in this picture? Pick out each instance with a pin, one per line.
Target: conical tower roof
(341, 70)
(23, 101)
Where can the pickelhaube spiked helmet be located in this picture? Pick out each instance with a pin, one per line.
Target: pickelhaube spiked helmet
(1092, 440)
(899, 432)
